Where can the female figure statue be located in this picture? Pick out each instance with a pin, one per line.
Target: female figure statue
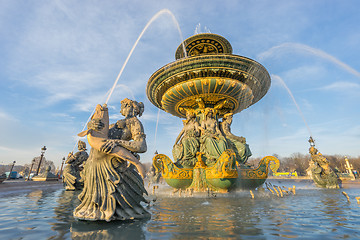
(212, 142)
(187, 143)
(71, 174)
(113, 189)
(238, 144)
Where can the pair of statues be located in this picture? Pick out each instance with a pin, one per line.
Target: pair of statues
(209, 137)
(112, 186)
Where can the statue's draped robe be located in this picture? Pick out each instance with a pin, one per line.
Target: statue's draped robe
(212, 147)
(185, 153)
(112, 191)
(242, 150)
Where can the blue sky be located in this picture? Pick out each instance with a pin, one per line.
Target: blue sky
(60, 58)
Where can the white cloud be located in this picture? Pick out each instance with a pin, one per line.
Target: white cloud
(342, 86)
(7, 117)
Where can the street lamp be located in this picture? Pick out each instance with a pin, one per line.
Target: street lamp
(32, 164)
(41, 157)
(11, 170)
(62, 164)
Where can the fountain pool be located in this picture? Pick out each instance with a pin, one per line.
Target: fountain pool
(309, 214)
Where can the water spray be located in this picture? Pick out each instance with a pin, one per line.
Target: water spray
(109, 93)
(293, 98)
(163, 11)
(347, 196)
(156, 128)
(313, 51)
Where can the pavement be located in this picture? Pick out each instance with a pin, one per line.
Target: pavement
(14, 187)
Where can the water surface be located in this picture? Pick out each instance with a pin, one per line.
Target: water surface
(309, 214)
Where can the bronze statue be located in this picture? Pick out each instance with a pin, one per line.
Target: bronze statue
(187, 143)
(74, 166)
(212, 141)
(212, 83)
(321, 172)
(47, 175)
(113, 188)
(238, 144)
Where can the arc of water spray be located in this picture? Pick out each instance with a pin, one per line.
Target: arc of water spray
(273, 76)
(92, 113)
(313, 51)
(127, 89)
(156, 128)
(163, 11)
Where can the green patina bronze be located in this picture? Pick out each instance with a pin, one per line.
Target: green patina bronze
(206, 85)
(321, 172)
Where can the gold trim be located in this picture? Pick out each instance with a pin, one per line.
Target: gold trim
(169, 170)
(225, 167)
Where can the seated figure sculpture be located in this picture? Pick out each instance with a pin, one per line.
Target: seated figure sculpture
(73, 168)
(212, 141)
(113, 188)
(187, 143)
(238, 144)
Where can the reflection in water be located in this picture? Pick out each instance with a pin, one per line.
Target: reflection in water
(222, 217)
(66, 203)
(311, 213)
(108, 230)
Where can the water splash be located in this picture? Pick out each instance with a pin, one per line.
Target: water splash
(163, 11)
(198, 29)
(123, 86)
(278, 78)
(308, 49)
(85, 125)
(110, 92)
(156, 128)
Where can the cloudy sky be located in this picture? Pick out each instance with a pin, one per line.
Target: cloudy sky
(58, 59)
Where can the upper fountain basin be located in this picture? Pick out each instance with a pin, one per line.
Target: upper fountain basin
(210, 73)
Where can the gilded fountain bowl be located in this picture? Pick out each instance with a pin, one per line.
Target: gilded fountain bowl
(213, 78)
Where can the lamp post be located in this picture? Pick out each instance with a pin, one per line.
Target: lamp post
(41, 157)
(11, 170)
(32, 164)
(62, 164)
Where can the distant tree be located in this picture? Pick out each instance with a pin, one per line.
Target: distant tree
(336, 161)
(355, 162)
(300, 162)
(44, 164)
(2, 169)
(254, 162)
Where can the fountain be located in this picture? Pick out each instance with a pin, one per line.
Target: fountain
(321, 172)
(204, 85)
